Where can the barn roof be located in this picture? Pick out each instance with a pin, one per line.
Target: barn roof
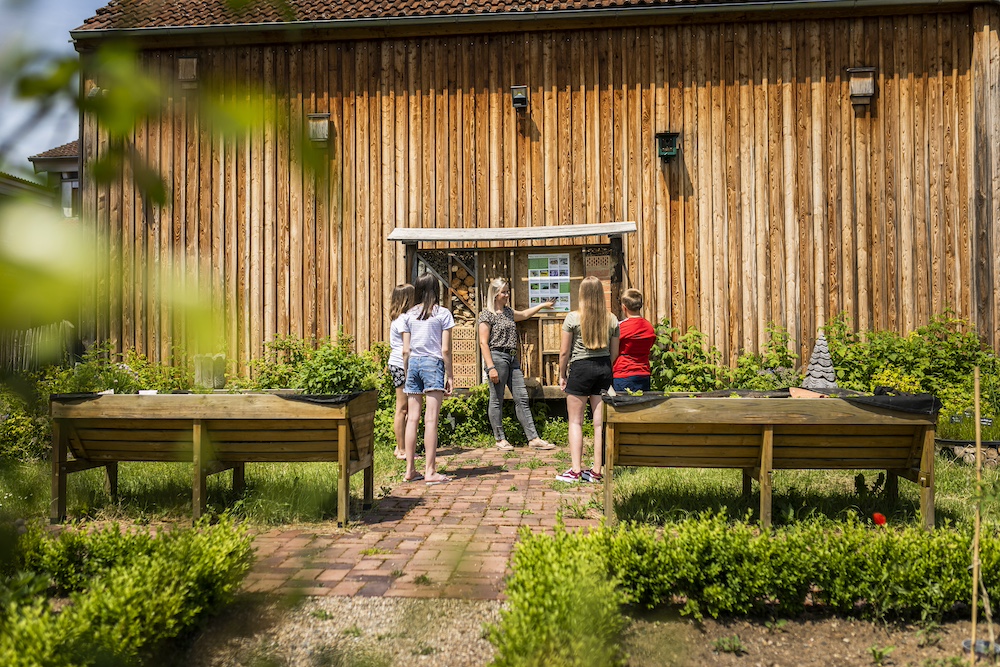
(161, 16)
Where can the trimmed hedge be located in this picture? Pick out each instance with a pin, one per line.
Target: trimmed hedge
(128, 593)
(715, 567)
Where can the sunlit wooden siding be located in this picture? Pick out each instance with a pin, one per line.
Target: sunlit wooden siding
(786, 204)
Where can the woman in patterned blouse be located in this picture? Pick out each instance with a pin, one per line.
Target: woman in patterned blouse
(499, 344)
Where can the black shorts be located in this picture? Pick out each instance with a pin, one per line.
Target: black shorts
(398, 375)
(590, 376)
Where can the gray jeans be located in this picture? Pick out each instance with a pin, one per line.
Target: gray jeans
(510, 375)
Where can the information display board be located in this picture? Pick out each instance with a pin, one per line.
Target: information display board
(548, 280)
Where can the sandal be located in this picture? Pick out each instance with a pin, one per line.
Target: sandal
(443, 479)
(542, 445)
(504, 446)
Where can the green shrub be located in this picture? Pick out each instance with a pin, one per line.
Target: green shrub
(771, 368)
(563, 608)
(719, 567)
(25, 429)
(684, 362)
(335, 368)
(101, 369)
(144, 591)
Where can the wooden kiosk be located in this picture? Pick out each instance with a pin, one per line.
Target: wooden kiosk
(466, 260)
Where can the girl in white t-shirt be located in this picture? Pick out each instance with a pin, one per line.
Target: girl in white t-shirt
(400, 302)
(427, 357)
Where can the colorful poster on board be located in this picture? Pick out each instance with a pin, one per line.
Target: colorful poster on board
(548, 280)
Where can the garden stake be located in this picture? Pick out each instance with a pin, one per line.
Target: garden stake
(975, 534)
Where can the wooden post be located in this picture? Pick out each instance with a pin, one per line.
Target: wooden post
(239, 478)
(199, 480)
(891, 486)
(369, 473)
(57, 510)
(411, 261)
(766, 453)
(747, 484)
(927, 480)
(111, 471)
(617, 270)
(610, 450)
(343, 478)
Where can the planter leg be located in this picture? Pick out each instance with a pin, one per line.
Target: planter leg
(765, 476)
(344, 478)
(111, 471)
(891, 487)
(200, 490)
(610, 451)
(57, 510)
(747, 484)
(927, 480)
(239, 479)
(369, 474)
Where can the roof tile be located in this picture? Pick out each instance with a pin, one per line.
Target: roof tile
(127, 14)
(72, 149)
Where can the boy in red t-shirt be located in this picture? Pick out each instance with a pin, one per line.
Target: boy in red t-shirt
(637, 338)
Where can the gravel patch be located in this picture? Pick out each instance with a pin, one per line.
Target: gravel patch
(359, 631)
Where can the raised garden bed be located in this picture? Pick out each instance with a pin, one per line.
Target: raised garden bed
(216, 432)
(759, 435)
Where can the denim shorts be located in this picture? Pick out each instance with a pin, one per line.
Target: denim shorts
(424, 374)
(634, 382)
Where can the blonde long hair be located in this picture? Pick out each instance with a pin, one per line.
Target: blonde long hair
(595, 319)
(491, 293)
(401, 300)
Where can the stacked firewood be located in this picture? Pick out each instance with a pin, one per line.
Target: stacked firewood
(464, 285)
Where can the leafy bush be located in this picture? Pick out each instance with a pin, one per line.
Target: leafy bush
(143, 591)
(102, 369)
(279, 367)
(684, 362)
(771, 368)
(563, 609)
(336, 369)
(719, 568)
(25, 429)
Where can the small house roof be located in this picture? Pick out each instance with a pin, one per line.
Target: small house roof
(67, 150)
(485, 235)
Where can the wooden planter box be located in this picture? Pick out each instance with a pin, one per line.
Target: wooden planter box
(216, 432)
(759, 435)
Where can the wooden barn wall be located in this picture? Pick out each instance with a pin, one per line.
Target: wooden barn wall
(785, 204)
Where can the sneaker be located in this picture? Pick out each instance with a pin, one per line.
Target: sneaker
(591, 476)
(570, 476)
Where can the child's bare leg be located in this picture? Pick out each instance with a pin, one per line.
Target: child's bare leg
(414, 403)
(399, 423)
(434, 399)
(596, 406)
(575, 407)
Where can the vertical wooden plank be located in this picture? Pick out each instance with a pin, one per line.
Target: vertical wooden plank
(906, 168)
(706, 236)
(965, 104)
(653, 248)
(372, 306)
(283, 178)
(744, 228)
(551, 132)
(760, 84)
(952, 291)
(360, 294)
(269, 257)
(732, 220)
(876, 199)
(820, 281)
(890, 146)
(606, 140)
(387, 271)
(309, 203)
(349, 220)
(804, 276)
(335, 191)
(932, 166)
(493, 134)
(323, 252)
(693, 205)
(789, 194)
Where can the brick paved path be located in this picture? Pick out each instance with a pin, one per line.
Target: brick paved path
(449, 540)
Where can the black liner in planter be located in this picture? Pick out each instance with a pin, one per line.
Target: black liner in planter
(921, 404)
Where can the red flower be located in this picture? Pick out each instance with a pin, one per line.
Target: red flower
(878, 518)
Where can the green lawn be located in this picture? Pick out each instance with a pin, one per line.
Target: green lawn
(280, 493)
